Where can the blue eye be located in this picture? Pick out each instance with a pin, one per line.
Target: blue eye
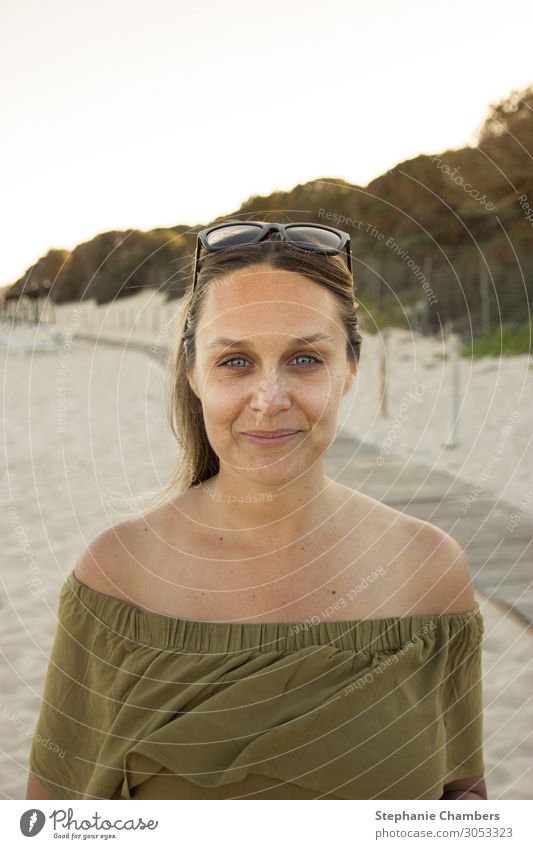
(231, 360)
(309, 357)
(316, 361)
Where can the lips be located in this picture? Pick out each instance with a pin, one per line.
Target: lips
(270, 438)
(269, 434)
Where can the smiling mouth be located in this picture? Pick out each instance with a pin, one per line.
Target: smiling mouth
(272, 437)
(269, 434)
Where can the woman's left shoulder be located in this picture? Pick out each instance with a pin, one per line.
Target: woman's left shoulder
(442, 569)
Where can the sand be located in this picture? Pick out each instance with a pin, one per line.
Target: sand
(85, 432)
(492, 446)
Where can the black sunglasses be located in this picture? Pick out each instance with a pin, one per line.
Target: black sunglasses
(307, 237)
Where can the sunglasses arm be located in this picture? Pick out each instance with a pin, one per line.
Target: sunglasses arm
(196, 261)
(348, 256)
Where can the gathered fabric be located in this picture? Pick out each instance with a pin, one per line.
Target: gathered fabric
(146, 705)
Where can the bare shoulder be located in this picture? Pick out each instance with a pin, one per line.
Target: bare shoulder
(110, 562)
(442, 567)
(429, 568)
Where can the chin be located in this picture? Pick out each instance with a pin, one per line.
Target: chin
(274, 474)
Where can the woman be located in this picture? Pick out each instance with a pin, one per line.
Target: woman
(263, 631)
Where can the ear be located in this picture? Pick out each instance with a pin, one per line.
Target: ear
(192, 382)
(352, 371)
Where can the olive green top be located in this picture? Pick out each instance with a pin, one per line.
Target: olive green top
(145, 705)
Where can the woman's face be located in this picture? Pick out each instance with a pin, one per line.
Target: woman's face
(268, 380)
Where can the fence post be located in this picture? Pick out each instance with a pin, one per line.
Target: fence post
(455, 377)
(383, 372)
(484, 294)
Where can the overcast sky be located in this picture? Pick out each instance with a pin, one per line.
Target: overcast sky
(122, 113)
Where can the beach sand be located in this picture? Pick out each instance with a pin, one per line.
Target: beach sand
(85, 433)
(493, 445)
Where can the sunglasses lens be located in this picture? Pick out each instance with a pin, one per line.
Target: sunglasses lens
(314, 237)
(233, 235)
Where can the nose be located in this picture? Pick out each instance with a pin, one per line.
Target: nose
(270, 396)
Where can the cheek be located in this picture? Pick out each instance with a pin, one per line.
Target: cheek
(225, 399)
(320, 396)
(222, 400)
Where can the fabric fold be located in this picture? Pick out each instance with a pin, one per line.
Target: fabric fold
(385, 708)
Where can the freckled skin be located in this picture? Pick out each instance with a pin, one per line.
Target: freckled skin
(268, 390)
(268, 384)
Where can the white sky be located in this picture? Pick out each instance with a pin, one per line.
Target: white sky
(122, 113)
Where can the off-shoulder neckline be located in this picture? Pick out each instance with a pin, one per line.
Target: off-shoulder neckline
(154, 613)
(164, 631)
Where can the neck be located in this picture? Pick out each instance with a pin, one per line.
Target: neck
(281, 511)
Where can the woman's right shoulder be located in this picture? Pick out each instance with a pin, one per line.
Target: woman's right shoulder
(108, 562)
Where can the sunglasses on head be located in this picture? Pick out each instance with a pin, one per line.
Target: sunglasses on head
(307, 237)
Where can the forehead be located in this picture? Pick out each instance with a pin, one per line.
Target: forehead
(272, 300)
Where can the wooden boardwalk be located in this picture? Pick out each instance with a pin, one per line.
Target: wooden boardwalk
(501, 560)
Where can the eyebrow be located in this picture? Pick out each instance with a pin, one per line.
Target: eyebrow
(226, 342)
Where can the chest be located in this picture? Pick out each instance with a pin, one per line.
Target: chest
(328, 577)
